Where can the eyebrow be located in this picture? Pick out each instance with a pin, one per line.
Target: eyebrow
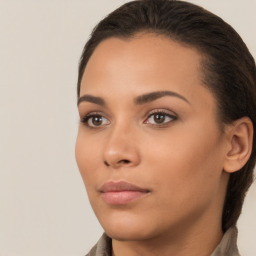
(92, 99)
(148, 97)
(142, 99)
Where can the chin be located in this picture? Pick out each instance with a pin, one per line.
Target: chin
(126, 228)
(128, 234)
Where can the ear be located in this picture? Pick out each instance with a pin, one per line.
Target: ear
(240, 136)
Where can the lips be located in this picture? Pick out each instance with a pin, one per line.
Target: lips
(120, 193)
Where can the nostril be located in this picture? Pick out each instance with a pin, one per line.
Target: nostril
(118, 163)
(125, 161)
(106, 163)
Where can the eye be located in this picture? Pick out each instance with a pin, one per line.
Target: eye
(95, 120)
(160, 118)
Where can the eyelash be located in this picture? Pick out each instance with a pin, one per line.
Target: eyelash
(165, 113)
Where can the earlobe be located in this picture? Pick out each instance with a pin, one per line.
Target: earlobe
(240, 139)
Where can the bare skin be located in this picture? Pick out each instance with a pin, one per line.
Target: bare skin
(147, 119)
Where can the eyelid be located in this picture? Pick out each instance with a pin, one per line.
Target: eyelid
(162, 110)
(93, 113)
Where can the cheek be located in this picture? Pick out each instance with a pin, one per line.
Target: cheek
(87, 157)
(188, 164)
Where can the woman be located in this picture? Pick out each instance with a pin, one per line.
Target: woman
(166, 98)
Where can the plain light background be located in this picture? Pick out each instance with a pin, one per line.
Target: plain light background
(43, 204)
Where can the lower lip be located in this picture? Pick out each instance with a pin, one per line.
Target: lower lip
(122, 197)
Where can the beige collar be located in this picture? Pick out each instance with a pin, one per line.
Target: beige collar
(228, 244)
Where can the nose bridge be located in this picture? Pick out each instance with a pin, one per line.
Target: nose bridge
(121, 147)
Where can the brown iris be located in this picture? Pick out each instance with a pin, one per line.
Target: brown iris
(159, 118)
(97, 120)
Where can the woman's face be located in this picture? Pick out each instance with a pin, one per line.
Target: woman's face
(149, 147)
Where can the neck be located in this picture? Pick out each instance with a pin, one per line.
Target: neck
(199, 239)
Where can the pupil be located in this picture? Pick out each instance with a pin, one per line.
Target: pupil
(159, 118)
(97, 120)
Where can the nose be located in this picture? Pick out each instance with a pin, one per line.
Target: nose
(121, 149)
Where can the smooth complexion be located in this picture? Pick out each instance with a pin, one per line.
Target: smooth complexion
(150, 148)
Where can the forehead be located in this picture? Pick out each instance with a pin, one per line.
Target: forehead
(145, 62)
(147, 46)
(145, 54)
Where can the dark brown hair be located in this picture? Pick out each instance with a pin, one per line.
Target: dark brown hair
(228, 68)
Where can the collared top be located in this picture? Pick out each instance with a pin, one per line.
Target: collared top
(226, 247)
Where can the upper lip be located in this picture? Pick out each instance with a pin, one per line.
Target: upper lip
(119, 186)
